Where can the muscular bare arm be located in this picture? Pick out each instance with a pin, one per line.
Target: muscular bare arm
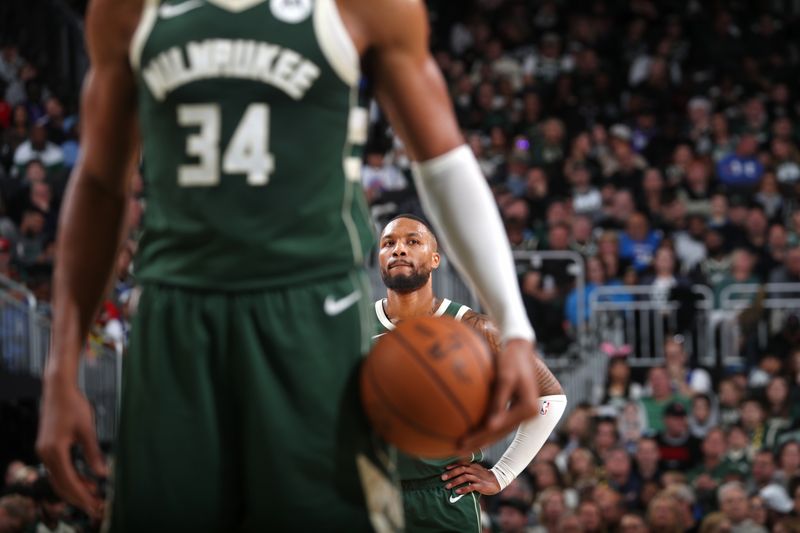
(90, 232)
(392, 38)
(548, 384)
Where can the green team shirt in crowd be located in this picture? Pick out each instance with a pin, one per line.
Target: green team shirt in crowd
(251, 160)
(409, 467)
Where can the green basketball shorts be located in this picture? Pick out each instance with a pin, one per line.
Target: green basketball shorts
(240, 413)
(430, 508)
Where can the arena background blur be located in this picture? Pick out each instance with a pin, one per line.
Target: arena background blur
(645, 158)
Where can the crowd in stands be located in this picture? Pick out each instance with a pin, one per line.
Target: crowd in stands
(658, 139)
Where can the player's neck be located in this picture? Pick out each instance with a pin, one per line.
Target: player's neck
(403, 305)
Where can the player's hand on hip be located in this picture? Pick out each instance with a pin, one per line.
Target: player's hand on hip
(515, 398)
(66, 419)
(474, 478)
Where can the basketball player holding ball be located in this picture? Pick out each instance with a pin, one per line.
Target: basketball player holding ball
(240, 404)
(442, 495)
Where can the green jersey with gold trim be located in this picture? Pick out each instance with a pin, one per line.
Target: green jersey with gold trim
(251, 143)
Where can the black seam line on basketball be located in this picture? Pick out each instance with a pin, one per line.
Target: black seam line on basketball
(402, 417)
(453, 398)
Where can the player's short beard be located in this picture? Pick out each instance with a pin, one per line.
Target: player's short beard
(405, 283)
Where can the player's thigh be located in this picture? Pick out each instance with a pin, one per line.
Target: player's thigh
(305, 439)
(431, 511)
(171, 468)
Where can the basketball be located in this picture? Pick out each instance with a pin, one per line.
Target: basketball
(427, 384)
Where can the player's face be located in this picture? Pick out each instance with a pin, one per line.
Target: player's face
(407, 255)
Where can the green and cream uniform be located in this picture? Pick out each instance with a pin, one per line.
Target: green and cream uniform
(240, 408)
(428, 505)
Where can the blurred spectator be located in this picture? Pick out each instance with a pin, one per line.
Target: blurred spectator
(734, 505)
(678, 449)
(379, 178)
(703, 416)
(753, 418)
(730, 395)
(632, 523)
(741, 169)
(788, 462)
(551, 508)
(685, 381)
(591, 517)
(621, 477)
(513, 516)
(638, 242)
(762, 472)
(647, 458)
(17, 514)
(38, 147)
(663, 515)
(659, 397)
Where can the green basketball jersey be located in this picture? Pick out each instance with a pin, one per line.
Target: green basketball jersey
(251, 143)
(409, 467)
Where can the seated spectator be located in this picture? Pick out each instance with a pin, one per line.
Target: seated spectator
(513, 516)
(685, 381)
(38, 147)
(715, 522)
(786, 158)
(763, 471)
(586, 198)
(704, 415)
(379, 178)
(611, 506)
(690, 243)
(619, 387)
(591, 517)
(779, 414)
(631, 425)
(741, 169)
(789, 272)
(551, 507)
(633, 523)
(659, 397)
(652, 194)
(647, 459)
(678, 449)
(685, 499)
(758, 511)
(595, 278)
(581, 469)
(714, 467)
(605, 436)
(638, 242)
(582, 237)
(753, 423)
(621, 477)
(742, 272)
(769, 197)
(788, 462)
(738, 447)
(664, 514)
(696, 190)
(734, 505)
(777, 502)
(730, 396)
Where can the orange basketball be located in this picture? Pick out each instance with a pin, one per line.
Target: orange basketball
(426, 384)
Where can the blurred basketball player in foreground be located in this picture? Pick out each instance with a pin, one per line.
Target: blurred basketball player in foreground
(240, 400)
(443, 495)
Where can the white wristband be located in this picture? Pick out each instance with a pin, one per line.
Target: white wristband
(461, 208)
(531, 436)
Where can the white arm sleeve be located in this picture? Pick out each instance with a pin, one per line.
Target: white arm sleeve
(531, 436)
(461, 208)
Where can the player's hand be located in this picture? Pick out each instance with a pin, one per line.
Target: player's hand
(66, 419)
(473, 476)
(515, 398)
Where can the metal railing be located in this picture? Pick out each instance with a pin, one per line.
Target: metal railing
(24, 347)
(767, 307)
(642, 317)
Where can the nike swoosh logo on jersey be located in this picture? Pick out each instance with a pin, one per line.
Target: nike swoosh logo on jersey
(456, 498)
(334, 307)
(168, 11)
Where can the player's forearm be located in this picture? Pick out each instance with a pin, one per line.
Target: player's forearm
(90, 231)
(458, 201)
(529, 439)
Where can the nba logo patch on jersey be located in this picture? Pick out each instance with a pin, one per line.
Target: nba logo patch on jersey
(544, 407)
(290, 11)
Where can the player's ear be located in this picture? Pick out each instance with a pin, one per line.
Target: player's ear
(435, 260)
